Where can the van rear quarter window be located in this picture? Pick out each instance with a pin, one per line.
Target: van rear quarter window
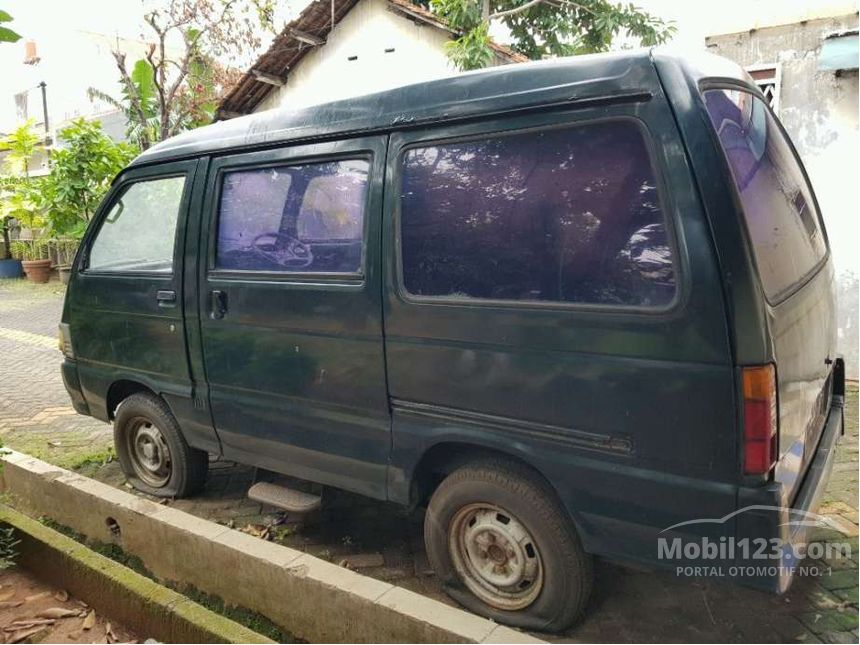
(564, 215)
(778, 208)
(298, 218)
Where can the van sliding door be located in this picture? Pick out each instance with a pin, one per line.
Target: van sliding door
(291, 314)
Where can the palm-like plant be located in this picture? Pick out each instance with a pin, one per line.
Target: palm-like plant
(138, 104)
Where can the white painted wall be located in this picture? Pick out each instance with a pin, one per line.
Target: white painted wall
(327, 74)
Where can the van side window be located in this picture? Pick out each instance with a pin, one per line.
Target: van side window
(139, 231)
(779, 211)
(565, 215)
(297, 219)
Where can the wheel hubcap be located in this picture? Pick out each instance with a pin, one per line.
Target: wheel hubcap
(149, 453)
(496, 556)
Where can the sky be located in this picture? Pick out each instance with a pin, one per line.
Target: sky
(74, 40)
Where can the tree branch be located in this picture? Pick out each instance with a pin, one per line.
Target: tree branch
(515, 10)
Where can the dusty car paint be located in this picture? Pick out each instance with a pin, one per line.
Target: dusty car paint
(632, 415)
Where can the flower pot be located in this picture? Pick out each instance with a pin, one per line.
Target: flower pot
(37, 270)
(10, 268)
(65, 273)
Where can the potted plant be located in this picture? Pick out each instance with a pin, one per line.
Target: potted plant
(34, 259)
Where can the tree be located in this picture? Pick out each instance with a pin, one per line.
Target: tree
(81, 174)
(6, 34)
(18, 195)
(177, 88)
(544, 28)
(21, 146)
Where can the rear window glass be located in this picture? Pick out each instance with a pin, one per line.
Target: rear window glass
(778, 208)
(568, 215)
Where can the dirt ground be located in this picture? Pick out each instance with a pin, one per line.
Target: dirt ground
(34, 612)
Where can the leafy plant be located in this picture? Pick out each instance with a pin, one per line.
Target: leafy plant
(21, 145)
(22, 200)
(8, 554)
(18, 196)
(6, 34)
(81, 172)
(29, 250)
(544, 28)
(137, 103)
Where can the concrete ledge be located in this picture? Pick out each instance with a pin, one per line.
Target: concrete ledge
(136, 601)
(308, 597)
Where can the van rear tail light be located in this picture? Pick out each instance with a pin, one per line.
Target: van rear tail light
(760, 419)
(65, 340)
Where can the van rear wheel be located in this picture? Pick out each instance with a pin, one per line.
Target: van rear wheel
(152, 452)
(504, 548)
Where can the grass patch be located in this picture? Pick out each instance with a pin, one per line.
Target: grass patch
(245, 617)
(76, 451)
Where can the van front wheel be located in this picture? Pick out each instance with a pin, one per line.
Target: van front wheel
(152, 451)
(504, 548)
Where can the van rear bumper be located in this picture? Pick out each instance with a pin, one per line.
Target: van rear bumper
(72, 382)
(770, 519)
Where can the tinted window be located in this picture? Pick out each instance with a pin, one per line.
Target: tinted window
(138, 232)
(562, 215)
(306, 218)
(777, 203)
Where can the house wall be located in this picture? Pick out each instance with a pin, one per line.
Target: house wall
(327, 74)
(819, 109)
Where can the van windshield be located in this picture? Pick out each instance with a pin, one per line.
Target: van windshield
(781, 218)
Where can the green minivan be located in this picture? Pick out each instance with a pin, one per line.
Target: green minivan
(575, 308)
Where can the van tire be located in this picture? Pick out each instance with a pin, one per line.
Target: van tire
(186, 468)
(496, 483)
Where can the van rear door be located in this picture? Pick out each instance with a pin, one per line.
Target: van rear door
(785, 232)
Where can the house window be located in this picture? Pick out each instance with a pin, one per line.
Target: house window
(768, 77)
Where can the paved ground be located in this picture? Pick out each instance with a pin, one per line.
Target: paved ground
(383, 542)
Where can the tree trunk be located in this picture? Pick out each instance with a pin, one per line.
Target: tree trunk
(485, 10)
(7, 244)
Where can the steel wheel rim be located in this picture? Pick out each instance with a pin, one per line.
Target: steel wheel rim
(149, 452)
(495, 556)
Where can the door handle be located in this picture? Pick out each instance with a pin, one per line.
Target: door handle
(218, 300)
(166, 298)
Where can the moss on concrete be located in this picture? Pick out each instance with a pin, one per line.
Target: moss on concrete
(245, 617)
(127, 595)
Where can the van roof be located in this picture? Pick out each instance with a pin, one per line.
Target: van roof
(596, 78)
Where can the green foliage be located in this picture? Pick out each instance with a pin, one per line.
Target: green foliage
(21, 199)
(6, 34)
(545, 28)
(8, 554)
(19, 195)
(22, 144)
(81, 173)
(31, 249)
(138, 103)
(472, 49)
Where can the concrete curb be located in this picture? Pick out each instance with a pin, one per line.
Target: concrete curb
(310, 598)
(136, 601)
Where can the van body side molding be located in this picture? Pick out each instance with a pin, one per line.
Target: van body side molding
(519, 428)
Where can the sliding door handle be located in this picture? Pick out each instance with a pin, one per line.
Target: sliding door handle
(218, 301)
